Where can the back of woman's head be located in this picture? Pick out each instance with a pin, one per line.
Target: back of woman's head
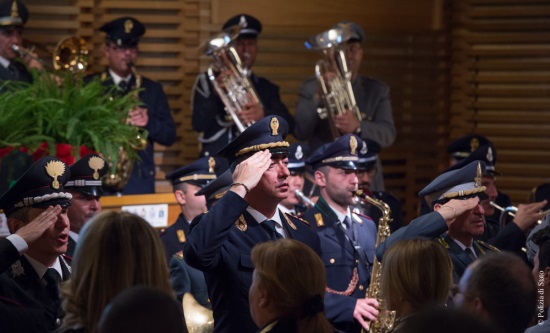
(116, 250)
(417, 271)
(293, 277)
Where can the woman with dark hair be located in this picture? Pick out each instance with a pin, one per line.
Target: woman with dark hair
(288, 287)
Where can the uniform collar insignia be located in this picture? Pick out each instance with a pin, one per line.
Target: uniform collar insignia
(17, 269)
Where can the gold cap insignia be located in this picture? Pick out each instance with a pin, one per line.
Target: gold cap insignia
(274, 124)
(128, 26)
(14, 9)
(474, 143)
(96, 163)
(477, 179)
(181, 236)
(352, 144)
(319, 220)
(55, 169)
(211, 164)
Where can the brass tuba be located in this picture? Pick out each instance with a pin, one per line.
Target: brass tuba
(386, 318)
(236, 89)
(334, 76)
(70, 54)
(198, 318)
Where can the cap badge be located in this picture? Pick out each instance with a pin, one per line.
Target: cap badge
(364, 149)
(274, 124)
(211, 164)
(489, 155)
(352, 144)
(242, 22)
(14, 9)
(54, 170)
(128, 26)
(477, 179)
(96, 163)
(474, 143)
(299, 153)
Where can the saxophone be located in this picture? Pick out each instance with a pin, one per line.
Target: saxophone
(386, 318)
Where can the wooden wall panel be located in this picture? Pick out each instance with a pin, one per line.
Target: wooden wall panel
(405, 47)
(501, 75)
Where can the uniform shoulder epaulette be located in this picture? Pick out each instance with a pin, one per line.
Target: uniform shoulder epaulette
(181, 235)
(298, 218)
(488, 246)
(179, 255)
(319, 219)
(443, 242)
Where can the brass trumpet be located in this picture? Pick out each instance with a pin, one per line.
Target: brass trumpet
(70, 54)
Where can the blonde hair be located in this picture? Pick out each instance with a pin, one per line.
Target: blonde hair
(116, 250)
(293, 277)
(417, 271)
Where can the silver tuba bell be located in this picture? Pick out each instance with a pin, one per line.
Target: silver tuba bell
(235, 89)
(334, 75)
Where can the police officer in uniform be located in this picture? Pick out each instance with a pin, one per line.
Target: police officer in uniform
(294, 204)
(31, 261)
(347, 239)
(186, 181)
(221, 240)
(367, 170)
(215, 127)
(153, 115)
(456, 220)
(86, 190)
(13, 16)
(512, 235)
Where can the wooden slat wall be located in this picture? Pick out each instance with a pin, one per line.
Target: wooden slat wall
(501, 85)
(404, 48)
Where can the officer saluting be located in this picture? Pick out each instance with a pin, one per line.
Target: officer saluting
(31, 260)
(221, 240)
(186, 181)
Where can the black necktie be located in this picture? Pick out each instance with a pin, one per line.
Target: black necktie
(53, 279)
(122, 85)
(470, 254)
(348, 227)
(269, 226)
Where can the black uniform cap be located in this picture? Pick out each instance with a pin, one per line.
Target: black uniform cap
(86, 174)
(368, 154)
(356, 32)
(250, 26)
(13, 13)
(214, 190)
(342, 153)
(465, 145)
(297, 153)
(42, 185)
(267, 133)
(124, 31)
(198, 173)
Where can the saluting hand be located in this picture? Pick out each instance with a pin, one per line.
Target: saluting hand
(250, 171)
(454, 208)
(34, 229)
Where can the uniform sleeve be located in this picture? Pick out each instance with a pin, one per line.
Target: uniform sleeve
(161, 126)
(179, 278)
(306, 116)
(210, 231)
(339, 308)
(381, 127)
(431, 225)
(8, 254)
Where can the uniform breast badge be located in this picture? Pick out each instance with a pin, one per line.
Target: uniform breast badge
(181, 236)
(241, 223)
